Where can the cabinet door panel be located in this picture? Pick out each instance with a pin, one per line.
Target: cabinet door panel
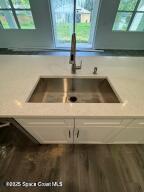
(98, 130)
(47, 135)
(129, 135)
(137, 123)
(49, 130)
(94, 134)
(52, 122)
(101, 122)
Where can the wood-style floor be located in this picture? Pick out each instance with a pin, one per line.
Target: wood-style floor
(81, 168)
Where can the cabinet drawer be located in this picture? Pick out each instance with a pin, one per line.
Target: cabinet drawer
(45, 122)
(137, 123)
(102, 122)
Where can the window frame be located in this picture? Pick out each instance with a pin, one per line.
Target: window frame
(40, 38)
(83, 46)
(16, 17)
(106, 38)
(134, 12)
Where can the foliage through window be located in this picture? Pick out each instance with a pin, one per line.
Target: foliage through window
(16, 14)
(130, 16)
(62, 11)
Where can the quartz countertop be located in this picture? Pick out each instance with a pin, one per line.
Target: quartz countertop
(19, 75)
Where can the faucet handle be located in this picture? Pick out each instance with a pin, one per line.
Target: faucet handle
(80, 66)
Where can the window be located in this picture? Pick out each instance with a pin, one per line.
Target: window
(130, 16)
(62, 11)
(16, 14)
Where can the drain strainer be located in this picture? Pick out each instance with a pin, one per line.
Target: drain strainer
(73, 99)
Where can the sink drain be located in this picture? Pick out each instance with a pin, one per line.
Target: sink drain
(73, 99)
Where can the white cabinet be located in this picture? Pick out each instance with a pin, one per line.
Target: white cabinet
(134, 133)
(49, 130)
(97, 130)
(137, 123)
(129, 135)
(85, 130)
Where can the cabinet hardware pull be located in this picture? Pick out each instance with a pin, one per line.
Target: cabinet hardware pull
(5, 125)
(69, 134)
(78, 134)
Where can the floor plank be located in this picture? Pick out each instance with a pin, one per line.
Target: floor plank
(81, 168)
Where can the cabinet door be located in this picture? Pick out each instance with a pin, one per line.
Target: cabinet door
(49, 130)
(137, 123)
(129, 135)
(134, 133)
(97, 130)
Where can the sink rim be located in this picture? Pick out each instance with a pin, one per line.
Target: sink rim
(73, 77)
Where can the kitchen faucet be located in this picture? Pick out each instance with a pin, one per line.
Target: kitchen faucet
(73, 55)
(73, 44)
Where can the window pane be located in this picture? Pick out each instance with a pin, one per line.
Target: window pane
(63, 20)
(141, 6)
(20, 4)
(122, 21)
(25, 19)
(83, 20)
(127, 5)
(138, 22)
(7, 20)
(4, 4)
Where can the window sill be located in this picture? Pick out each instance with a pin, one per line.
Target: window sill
(136, 53)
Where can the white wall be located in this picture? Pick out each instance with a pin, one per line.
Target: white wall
(42, 37)
(106, 38)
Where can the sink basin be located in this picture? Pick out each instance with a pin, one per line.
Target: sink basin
(74, 90)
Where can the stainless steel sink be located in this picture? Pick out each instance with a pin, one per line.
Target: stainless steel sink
(75, 90)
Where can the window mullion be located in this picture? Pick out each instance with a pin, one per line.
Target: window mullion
(133, 15)
(120, 11)
(14, 14)
(1, 26)
(20, 9)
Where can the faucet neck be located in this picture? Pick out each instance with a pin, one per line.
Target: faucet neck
(73, 49)
(73, 54)
(73, 43)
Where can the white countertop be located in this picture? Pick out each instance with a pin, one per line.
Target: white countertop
(19, 75)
